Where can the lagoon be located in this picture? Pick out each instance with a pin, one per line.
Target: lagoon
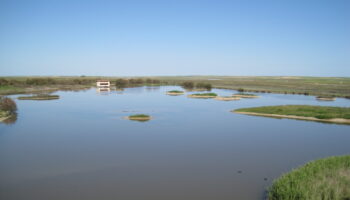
(80, 147)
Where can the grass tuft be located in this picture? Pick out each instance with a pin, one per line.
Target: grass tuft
(327, 178)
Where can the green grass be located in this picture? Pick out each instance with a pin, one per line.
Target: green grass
(4, 114)
(8, 89)
(139, 116)
(175, 91)
(39, 97)
(205, 94)
(319, 112)
(322, 179)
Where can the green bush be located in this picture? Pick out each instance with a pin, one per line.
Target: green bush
(121, 83)
(188, 85)
(206, 86)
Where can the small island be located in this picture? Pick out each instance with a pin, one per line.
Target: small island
(175, 92)
(245, 95)
(327, 178)
(227, 98)
(304, 112)
(203, 95)
(39, 97)
(139, 117)
(325, 98)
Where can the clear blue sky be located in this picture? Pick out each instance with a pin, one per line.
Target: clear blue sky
(175, 37)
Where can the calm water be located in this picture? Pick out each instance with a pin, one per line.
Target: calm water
(80, 147)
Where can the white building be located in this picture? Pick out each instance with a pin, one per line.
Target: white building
(103, 83)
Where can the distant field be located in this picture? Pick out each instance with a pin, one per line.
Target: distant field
(317, 86)
(328, 86)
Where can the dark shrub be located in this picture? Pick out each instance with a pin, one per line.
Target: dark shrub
(206, 86)
(156, 81)
(40, 81)
(240, 90)
(8, 105)
(121, 83)
(4, 82)
(188, 85)
(136, 81)
(77, 81)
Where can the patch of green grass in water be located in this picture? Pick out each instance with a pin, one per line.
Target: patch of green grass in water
(205, 94)
(175, 91)
(139, 116)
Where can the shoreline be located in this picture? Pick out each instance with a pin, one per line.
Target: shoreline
(245, 96)
(227, 98)
(201, 97)
(333, 120)
(175, 93)
(4, 118)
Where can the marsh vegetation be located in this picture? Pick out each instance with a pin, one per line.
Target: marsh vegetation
(245, 95)
(139, 117)
(307, 112)
(8, 108)
(175, 92)
(317, 86)
(327, 178)
(39, 97)
(203, 95)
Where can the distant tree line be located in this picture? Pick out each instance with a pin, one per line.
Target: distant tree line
(122, 83)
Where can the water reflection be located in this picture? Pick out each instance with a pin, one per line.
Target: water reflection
(103, 91)
(152, 88)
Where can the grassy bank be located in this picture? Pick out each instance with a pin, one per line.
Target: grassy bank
(319, 112)
(327, 178)
(39, 97)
